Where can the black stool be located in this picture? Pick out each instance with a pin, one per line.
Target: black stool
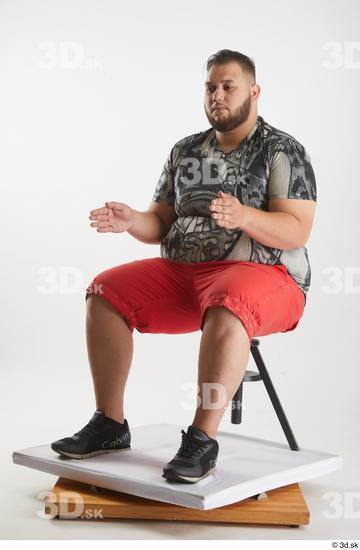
(253, 376)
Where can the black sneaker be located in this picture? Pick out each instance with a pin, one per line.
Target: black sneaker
(101, 435)
(195, 459)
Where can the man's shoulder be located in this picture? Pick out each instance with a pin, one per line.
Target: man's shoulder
(193, 139)
(188, 146)
(280, 140)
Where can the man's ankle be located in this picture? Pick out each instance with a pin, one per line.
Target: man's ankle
(115, 416)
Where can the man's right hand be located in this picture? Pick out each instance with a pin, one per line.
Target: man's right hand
(114, 217)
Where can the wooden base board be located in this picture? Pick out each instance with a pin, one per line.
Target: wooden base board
(282, 506)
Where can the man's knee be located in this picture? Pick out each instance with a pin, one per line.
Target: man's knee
(222, 318)
(95, 302)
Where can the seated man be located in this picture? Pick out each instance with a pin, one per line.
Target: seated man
(232, 211)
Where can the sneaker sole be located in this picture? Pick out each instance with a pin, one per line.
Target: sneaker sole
(90, 455)
(183, 479)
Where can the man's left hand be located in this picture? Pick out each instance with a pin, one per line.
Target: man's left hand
(227, 211)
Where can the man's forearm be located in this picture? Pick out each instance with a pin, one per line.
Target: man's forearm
(147, 227)
(274, 229)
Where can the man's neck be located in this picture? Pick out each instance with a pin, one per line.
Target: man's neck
(228, 141)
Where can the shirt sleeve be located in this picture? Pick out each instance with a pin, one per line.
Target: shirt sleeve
(164, 190)
(291, 174)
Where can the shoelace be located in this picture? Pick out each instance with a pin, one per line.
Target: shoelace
(190, 446)
(89, 429)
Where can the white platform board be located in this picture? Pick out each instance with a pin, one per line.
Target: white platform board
(246, 466)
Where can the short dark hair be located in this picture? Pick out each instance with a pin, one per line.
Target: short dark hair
(224, 56)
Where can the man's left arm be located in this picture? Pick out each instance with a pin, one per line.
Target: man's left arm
(286, 225)
(291, 204)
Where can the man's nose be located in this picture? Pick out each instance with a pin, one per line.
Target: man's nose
(218, 94)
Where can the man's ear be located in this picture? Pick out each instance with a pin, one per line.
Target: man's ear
(256, 91)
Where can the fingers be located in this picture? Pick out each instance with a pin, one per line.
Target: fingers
(219, 218)
(104, 229)
(99, 217)
(97, 211)
(106, 209)
(225, 223)
(101, 224)
(226, 208)
(220, 203)
(115, 205)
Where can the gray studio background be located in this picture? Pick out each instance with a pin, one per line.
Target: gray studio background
(93, 96)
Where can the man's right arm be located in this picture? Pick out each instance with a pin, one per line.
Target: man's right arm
(152, 225)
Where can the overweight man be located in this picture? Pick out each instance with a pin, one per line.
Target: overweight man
(232, 212)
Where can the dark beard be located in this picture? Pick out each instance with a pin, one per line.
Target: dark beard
(234, 121)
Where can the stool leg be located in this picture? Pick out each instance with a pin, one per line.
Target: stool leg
(236, 405)
(274, 398)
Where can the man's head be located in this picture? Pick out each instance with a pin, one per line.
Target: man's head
(231, 91)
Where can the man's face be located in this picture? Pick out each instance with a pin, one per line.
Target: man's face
(227, 96)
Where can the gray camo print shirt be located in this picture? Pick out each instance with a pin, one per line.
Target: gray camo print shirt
(268, 164)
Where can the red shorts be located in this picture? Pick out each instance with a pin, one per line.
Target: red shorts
(158, 295)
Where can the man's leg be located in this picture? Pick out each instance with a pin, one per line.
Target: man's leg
(110, 351)
(140, 286)
(223, 357)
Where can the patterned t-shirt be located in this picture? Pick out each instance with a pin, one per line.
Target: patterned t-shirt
(268, 164)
